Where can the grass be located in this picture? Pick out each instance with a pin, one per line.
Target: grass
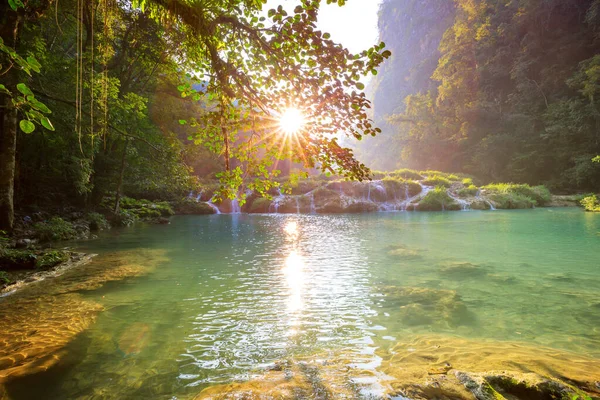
(407, 174)
(509, 201)
(54, 229)
(51, 259)
(468, 191)
(540, 195)
(437, 180)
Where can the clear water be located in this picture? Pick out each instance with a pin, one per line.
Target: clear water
(241, 291)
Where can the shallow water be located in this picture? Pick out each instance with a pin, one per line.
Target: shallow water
(238, 292)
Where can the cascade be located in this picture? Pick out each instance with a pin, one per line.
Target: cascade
(313, 209)
(489, 203)
(235, 206)
(464, 205)
(213, 206)
(275, 204)
(297, 205)
(408, 201)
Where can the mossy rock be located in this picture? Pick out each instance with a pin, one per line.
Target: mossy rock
(332, 206)
(260, 205)
(361, 207)
(480, 205)
(191, 207)
(13, 259)
(463, 270)
(437, 200)
(52, 258)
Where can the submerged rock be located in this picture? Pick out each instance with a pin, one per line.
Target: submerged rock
(426, 306)
(463, 270)
(487, 370)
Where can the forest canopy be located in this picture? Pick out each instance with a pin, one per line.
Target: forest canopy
(105, 97)
(510, 91)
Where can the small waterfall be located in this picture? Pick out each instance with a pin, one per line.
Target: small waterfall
(313, 209)
(489, 203)
(369, 193)
(406, 193)
(409, 200)
(275, 204)
(235, 206)
(297, 205)
(213, 206)
(199, 196)
(464, 205)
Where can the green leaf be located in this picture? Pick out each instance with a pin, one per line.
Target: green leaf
(182, 122)
(386, 54)
(47, 124)
(34, 64)
(38, 105)
(360, 85)
(3, 89)
(26, 126)
(21, 87)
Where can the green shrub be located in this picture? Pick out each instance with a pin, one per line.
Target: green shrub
(437, 180)
(378, 175)
(51, 259)
(508, 200)
(591, 203)
(124, 218)
(437, 200)
(540, 195)
(408, 174)
(17, 259)
(55, 228)
(467, 182)
(4, 278)
(468, 191)
(193, 207)
(97, 221)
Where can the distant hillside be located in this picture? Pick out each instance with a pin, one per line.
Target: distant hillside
(505, 90)
(412, 30)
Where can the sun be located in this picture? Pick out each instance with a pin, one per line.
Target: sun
(291, 121)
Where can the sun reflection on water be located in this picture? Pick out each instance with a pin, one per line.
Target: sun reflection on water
(294, 276)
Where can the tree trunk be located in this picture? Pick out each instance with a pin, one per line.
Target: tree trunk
(8, 122)
(120, 184)
(8, 147)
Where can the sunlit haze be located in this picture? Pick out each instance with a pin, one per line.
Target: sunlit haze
(354, 25)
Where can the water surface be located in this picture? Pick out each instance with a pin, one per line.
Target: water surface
(236, 293)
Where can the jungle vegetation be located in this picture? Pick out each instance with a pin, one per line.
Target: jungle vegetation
(140, 97)
(504, 90)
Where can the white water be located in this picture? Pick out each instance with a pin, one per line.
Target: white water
(464, 205)
(235, 206)
(489, 203)
(213, 206)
